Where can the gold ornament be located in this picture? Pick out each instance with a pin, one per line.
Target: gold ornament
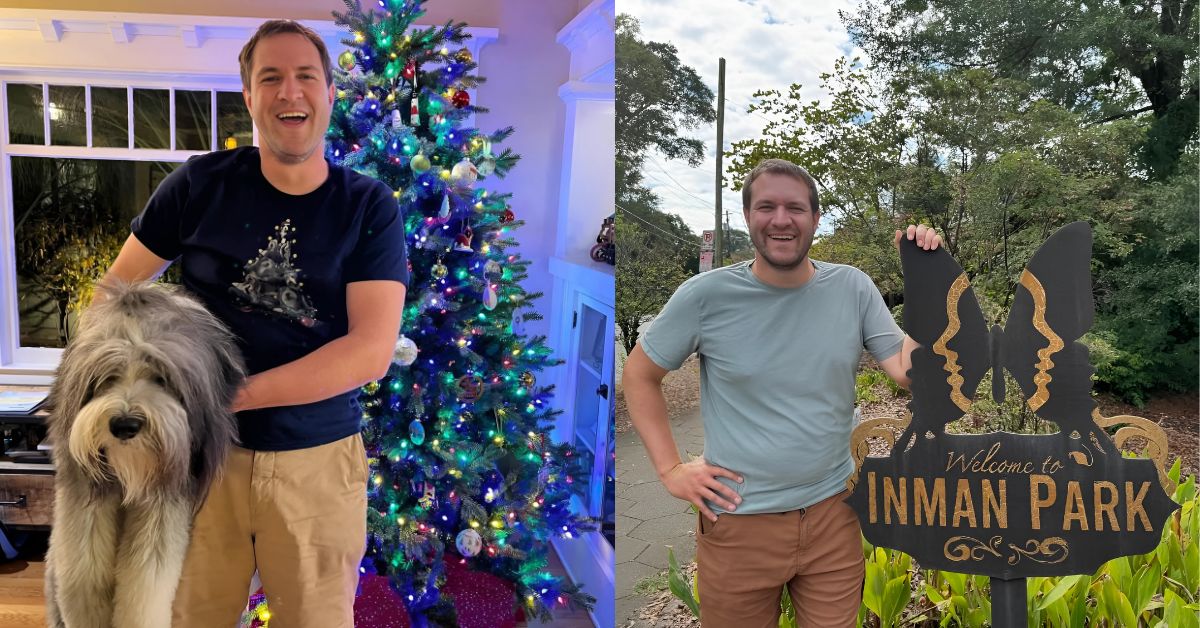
(527, 380)
(463, 56)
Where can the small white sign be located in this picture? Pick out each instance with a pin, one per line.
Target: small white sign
(707, 239)
(706, 259)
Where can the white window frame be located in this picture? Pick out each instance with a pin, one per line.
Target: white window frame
(35, 365)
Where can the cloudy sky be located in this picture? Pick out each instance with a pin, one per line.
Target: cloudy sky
(767, 44)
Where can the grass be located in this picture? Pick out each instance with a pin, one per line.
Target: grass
(652, 584)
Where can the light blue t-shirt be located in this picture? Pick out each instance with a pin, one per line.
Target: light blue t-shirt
(777, 369)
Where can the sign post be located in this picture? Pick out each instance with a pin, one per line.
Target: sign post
(706, 250)
(1008, 506)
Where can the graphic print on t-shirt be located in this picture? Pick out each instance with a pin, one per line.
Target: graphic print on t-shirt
(272, 283)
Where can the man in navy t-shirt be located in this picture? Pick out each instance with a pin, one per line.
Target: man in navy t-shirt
(305, 261)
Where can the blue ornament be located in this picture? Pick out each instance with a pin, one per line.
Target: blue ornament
(416, 432)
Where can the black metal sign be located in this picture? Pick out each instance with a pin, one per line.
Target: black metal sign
(1008, 505)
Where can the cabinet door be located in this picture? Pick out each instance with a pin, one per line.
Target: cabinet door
(593, 374)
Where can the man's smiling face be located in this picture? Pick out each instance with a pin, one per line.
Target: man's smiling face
(288, 98)
(781, 220)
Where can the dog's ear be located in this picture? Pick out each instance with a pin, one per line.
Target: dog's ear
(214, 428)
(72, 381)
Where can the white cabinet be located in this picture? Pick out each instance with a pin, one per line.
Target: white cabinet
(585, 394)
(583, 297)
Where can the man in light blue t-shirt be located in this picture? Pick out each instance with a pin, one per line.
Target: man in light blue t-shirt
(779, 340)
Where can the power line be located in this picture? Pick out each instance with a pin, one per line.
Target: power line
(664, 171)
(729, 107)
(664, 186)
(656, 227)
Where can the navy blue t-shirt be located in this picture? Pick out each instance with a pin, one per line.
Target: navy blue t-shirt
(274, 267)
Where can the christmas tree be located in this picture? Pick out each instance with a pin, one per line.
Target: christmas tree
(462, 467)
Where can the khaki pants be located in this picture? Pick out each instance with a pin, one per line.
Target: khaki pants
(746, 560)
(299, 518)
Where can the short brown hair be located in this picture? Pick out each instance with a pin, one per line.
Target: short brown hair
(786, 168)
(279, 27)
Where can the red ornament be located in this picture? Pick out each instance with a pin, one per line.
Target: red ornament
(462, 242)
(507, 216)
(461, 98)
(470, 388)
(410, 70)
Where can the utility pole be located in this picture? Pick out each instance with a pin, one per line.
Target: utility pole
(720, 251)
(725, 252)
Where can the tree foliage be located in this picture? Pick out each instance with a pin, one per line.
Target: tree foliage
(997, 153)
(1104, 59)
(657, 99)
(648, 271)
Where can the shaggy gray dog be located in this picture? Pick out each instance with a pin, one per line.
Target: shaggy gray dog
(140, 422)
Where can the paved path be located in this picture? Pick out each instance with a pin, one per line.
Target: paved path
(649, 519)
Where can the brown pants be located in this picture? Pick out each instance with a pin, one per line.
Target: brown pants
(299, 518)
(746, 560)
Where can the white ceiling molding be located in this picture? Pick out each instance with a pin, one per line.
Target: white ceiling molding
(193, 30)
(52, 30)
(121, 32)
(589, 37)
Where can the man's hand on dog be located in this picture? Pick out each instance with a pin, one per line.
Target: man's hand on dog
(696, 481)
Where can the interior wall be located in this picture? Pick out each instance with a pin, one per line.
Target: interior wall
(475, 12)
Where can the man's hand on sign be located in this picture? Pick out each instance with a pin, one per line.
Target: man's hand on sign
(926, 237)
(696, 481)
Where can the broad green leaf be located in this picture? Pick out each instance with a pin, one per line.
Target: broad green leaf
(1118, 568)
(873, 590)
(1060, 589)
(1118, 604)
(1175, 613)
(1191, 566)
(1145, 583)
(1175, 568)
(678, 587)
(895, 598)
(957, 582)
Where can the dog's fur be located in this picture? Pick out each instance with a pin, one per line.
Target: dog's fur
(148, 359)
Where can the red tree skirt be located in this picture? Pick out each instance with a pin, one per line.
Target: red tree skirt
(481, 600)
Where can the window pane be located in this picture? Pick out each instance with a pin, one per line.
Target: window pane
(110, 117)
(193, 120)
(67, 124)
(151, 118)
(71, 217)
(233, 121)
(25, 124)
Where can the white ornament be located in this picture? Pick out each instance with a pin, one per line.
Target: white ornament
(444, 211)
(397, 119)
(487, 165)
(464, 174)
(489, 297)
(405, 352)
(468, 542)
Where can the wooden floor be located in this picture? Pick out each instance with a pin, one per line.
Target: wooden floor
(22, 604)
(21, 601)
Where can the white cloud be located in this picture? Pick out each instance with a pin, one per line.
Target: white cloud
(767, 44)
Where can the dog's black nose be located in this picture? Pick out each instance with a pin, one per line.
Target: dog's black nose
(125, 427)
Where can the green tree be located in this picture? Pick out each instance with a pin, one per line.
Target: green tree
(851, 145)
(648, 272)
(1105, 59)
(658, 98)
